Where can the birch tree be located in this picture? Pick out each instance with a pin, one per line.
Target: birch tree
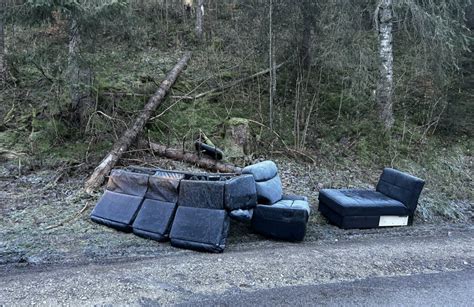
(272, 64)
(199, 18)
(3, 64)
(384, 22)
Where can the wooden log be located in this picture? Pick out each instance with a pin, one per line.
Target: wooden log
(103, 169)
(189, 157)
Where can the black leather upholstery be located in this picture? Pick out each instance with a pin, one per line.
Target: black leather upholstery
(156, 215)
(240, 193)
(361, 202)
(277, 216)
(200, 229)
(396, 194)
(121, 201)
(401, 186)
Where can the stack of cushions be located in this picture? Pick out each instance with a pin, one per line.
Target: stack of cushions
(393, 203)
(276, 216)
(189, 209)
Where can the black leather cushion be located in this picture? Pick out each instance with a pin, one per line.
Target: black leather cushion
(349, 222)
(201, 194)
(121, 201)
(401, 186)
(240, 193)
(361, 203)
(200, 229)
(116, 210)
(156, 215)
(280, 222)
(154, 219)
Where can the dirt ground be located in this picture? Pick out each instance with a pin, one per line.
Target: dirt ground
(44, 216)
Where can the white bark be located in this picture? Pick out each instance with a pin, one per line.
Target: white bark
(272, 64)
(199, 18)
(3, 66)
(73, 65)
(384, 93)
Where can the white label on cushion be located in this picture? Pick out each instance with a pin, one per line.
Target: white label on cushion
(393, 220)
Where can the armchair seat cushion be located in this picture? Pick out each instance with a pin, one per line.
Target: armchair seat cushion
(348, 202)
(284, 220)
(200, 229)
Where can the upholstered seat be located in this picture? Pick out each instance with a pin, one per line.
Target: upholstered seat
(393, 203)
(121, 201)
(157, 212)
(276, 216)
(201, 223)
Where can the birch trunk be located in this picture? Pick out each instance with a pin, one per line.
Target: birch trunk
(199, 18)
(73, 68)
(3, 65)
(272, 64)
(385, 84)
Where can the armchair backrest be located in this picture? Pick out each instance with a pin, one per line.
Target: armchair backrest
(401, 186)
(124, 182)
(267, 181)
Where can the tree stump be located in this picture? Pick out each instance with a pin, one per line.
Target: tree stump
(237, 138)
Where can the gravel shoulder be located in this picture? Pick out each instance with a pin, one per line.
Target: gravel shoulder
(189, 276)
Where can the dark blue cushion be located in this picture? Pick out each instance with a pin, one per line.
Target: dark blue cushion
(240, 193)
(116, 210)
(361, 202)
(121, 201)
(154, 219)
(200, 229)
(401, 186)
(201, 194)
(268, 181)
(280, 221)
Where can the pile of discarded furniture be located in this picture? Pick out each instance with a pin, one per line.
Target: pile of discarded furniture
(193, 210)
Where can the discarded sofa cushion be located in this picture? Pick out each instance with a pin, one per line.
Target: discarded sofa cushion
(154, 220)
(361, 202)
(276, 216)
(156, 215)
(268, 182)
(240, 193)
(200, 229)
(401, 186)
(392, 204)
(121, 201)
(201, 194)
(284, 220)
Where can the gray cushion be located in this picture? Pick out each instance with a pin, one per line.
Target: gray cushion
(361, 202)
(270, 191)
(240, 193)
(201, 194)
(262, 171)
(401, 186)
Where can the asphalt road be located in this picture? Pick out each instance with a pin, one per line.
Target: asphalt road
(434, 289)
(402, 270)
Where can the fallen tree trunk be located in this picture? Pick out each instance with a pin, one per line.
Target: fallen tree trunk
(98, 176)
(189, 157)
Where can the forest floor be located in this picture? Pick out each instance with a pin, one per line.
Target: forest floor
(44, 214)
